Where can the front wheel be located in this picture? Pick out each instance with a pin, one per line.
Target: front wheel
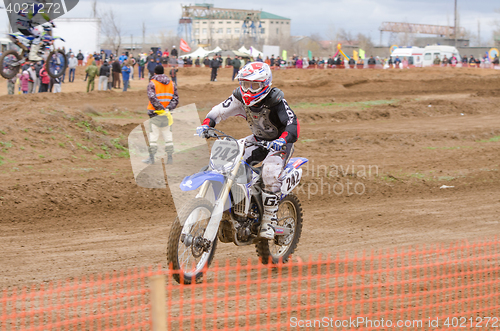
(8, 64)
(280, 248)
(56, 63)
(189, 254)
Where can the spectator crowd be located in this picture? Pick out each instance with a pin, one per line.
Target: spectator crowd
(112, 71)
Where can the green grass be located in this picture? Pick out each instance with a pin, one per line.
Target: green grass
(83, 124)
(124, 154)
(448, 178)
(101, 130)
(448, 148)
(427, 176)
(85, 148)
(117, 145)
(1, 160)
(343, 105)
(2, 132)
(388, 178)
(491, 140)
(307, 140)
(104, 156)
(41, 156)
(6, 144)
(62, 145)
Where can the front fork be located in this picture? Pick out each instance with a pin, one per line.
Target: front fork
(215, 219)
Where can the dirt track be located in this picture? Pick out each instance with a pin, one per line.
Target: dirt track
(69, 205)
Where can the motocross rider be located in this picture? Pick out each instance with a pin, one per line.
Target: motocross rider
(27, 20)
(271, 120)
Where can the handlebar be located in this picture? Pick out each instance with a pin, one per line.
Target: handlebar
(214, 133)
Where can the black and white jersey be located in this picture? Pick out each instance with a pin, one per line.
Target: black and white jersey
(270, 119)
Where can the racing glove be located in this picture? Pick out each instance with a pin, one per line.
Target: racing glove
(201, 130)
(277, 144)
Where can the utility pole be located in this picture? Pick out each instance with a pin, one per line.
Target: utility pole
(456, 27)
(143, 36)
(479, 32)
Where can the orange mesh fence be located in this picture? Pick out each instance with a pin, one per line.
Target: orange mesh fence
(117, 301)
(445, 288)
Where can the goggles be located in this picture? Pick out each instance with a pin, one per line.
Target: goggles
(251, 86)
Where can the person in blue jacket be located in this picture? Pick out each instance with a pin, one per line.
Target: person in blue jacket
(125, 75)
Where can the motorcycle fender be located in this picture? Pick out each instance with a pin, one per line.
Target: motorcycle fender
(192, 182)
(291, 180)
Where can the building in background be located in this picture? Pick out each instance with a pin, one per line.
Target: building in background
(204, 25)
(78, 33)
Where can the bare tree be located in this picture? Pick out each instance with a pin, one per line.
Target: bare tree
(365, 43)
(112, 30)
(496, 32)
(331, 32)
(405, 39)
(95, 13)
(346, 36)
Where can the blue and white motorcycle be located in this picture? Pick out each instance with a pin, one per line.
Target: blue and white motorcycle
(12, 60)
(228, 207)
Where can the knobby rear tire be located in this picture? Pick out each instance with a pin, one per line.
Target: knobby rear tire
(263, 248)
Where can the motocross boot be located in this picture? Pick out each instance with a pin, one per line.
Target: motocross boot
(270, 202)
(150, 160)
(152, 152)
(169, 149)
(34, 53)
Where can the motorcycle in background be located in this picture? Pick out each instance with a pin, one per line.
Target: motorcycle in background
(11, 61)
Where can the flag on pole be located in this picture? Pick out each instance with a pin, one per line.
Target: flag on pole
(355, 56)
(361, 54)
(184, 46)
(310, 55)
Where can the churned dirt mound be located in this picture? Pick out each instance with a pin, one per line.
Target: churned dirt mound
(396, 157)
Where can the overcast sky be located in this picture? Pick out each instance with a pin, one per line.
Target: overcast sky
(308, 17)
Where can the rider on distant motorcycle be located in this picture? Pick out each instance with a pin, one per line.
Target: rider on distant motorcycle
(270, 119)
(27, 20)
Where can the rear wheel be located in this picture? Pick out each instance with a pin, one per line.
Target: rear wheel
(56, 63)
(189, 254)
(281, 247)
(6, 64)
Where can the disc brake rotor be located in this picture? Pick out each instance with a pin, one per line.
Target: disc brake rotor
(287, 222)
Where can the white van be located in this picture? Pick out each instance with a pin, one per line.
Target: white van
(414, 55)
(430, 53)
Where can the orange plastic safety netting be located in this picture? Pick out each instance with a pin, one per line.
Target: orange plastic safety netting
(434, 287)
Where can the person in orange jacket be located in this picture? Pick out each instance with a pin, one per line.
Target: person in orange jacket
(163, 98)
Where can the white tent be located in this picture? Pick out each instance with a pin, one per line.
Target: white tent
(199, 52)
(255, 53)
(215, 50)
(243, 50)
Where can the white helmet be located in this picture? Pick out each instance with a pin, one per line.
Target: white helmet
(255, 80)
